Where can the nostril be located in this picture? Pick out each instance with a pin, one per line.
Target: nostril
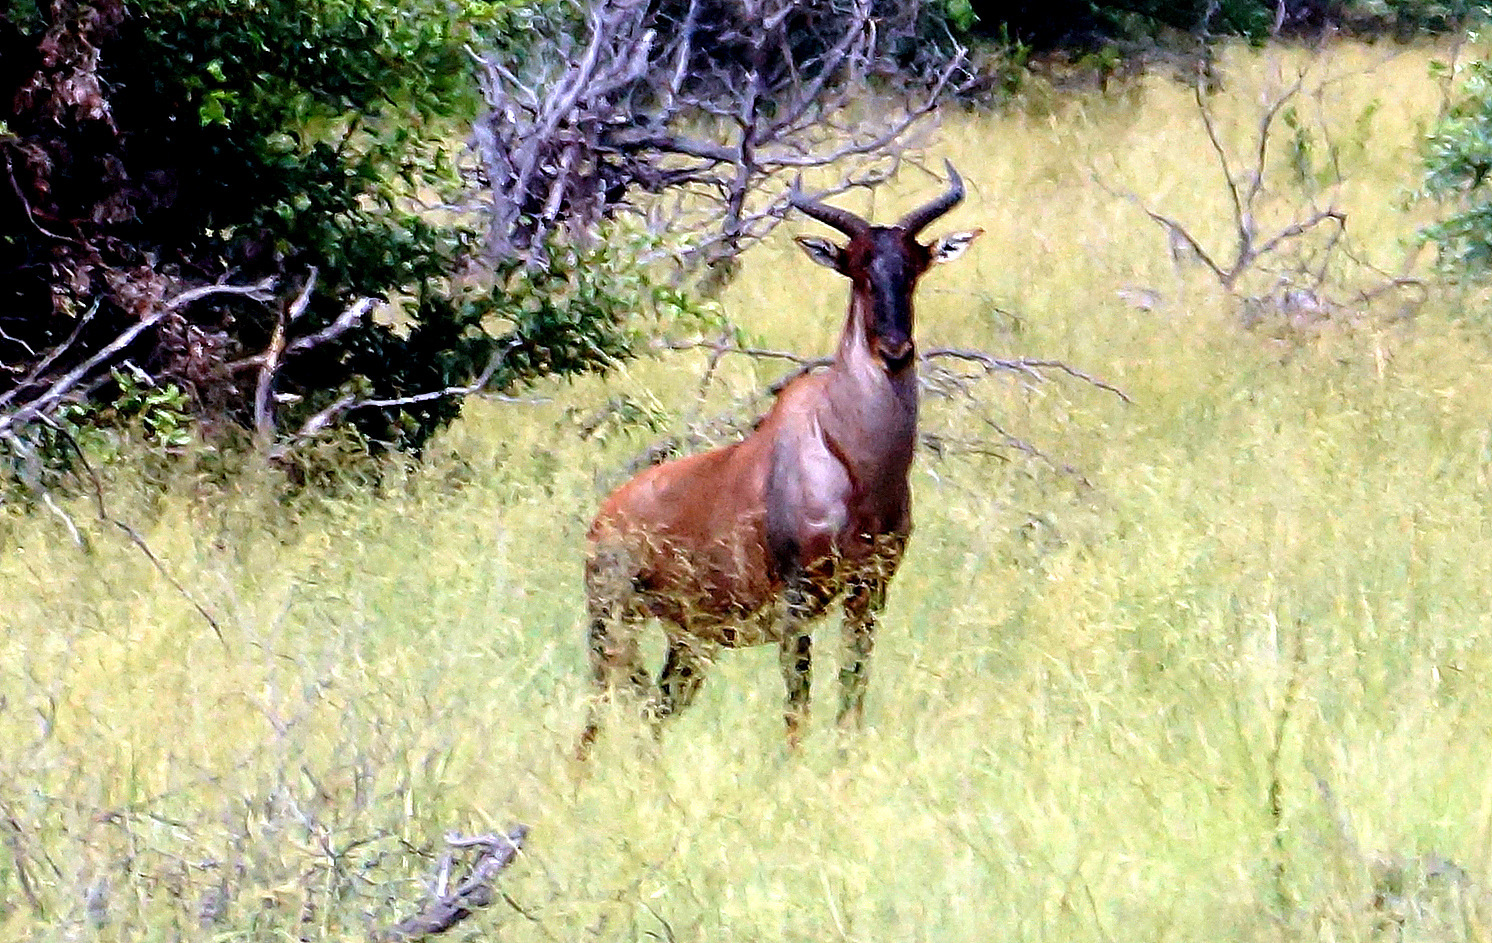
(894, 352)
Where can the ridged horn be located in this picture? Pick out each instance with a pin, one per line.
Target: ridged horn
(917, 220)
(841, 219)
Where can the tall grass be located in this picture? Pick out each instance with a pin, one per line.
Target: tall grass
(1210, 666)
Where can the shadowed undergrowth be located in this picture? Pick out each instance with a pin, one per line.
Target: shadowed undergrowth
(1222, 680)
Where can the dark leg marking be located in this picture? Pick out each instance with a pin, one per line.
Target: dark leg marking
(859, 639)
(683, 674)
(795, 655)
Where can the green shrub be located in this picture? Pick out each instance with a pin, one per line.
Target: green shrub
(1458, 157)
(158, 145)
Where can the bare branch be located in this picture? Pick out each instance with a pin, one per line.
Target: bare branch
(726, 346)
(53, 355)
(1027, 366)
(643, 104)
(1024, 366)
(1266, 124)
(939, 380)
(345, 321)
(26, 205)
(495, 853)
(1296, 230)
(1021, 445)
(1174, 230)
(272, 358)
(348, 403)
(1245, 201)
(1218, 148)
(68, 382)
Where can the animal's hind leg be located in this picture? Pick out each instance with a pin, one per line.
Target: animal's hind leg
(615, 661)
(683, 673)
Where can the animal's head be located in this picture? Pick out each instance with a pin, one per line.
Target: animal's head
(883, 263)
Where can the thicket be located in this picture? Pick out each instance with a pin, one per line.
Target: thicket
(205, 197)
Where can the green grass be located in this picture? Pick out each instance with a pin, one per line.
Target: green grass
(1217, 683)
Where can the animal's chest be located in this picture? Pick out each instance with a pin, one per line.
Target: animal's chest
(879, 499)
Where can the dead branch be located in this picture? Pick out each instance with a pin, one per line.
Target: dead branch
(269, 364)
(51, 357)
(1026, 366)
(67, 384)
(347, 403)
(272, 358)
(726, 346)
(1314, 239)
(494, 854)
(26, 204)
(701, 113)
(936, 379)
(1297, 290)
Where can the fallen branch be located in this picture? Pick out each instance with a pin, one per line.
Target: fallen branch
(281, 347)
(52, 356)
(450, 907)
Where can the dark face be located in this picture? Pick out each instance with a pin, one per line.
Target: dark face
(885, 264)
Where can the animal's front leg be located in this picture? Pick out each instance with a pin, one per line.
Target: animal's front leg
(859, 638)
(614, 656)
(796, 657)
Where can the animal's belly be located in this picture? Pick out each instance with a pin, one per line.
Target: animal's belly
(732, 621)
(730, 617)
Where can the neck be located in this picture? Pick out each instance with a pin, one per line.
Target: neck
(857, 356)
(869, 415)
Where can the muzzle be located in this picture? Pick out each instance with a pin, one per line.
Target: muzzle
(896, 353)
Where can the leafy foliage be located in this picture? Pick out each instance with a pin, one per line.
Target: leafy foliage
(162, 144)
(1458, 157)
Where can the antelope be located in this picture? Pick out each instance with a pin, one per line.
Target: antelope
(748, 543)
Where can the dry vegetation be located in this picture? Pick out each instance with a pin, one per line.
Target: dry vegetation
(1225, 679)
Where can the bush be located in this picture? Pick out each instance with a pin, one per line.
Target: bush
(1458, 157)
(157, 145)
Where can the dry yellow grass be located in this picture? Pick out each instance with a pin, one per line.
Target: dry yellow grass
(1210, 694)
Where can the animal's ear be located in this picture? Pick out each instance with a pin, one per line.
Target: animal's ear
(823, 252)
(953, 245)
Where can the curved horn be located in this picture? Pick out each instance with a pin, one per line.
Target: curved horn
(841, 219)
(917, 220)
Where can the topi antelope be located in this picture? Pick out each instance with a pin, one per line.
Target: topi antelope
(746, 544)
